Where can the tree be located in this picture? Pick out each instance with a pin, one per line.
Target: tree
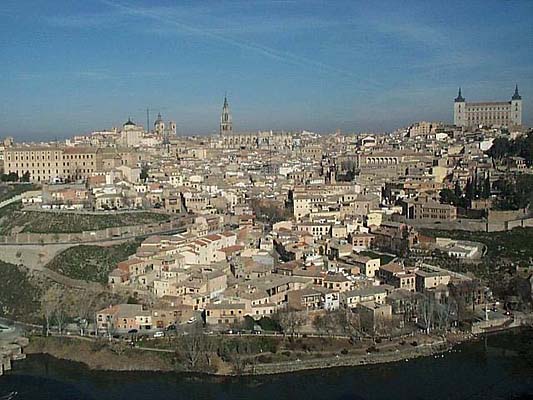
(352, 325)
(457, 190)
(427, 311)
(25, 177)
(193, 347)
(500, 148)
(85, 305)
(448, 196)
(145, 169)
(325, 324)
(61, 313)
(291, 321)
(118, 347)
(485, 191)
(445, 313)
(49, 305)
(11, 177)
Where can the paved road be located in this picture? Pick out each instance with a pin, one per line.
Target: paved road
(14, 199)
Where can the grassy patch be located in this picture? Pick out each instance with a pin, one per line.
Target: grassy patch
(19, 298)
(91, 263)
(8, 212)
(6, 192)
(505, 251)
(64, 222)
(515, 245)
(385, 259)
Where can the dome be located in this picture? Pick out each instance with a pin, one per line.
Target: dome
(129, 123)
(159, 120)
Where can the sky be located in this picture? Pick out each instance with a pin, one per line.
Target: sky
(69, 67)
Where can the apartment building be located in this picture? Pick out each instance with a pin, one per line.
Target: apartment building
(51, 164)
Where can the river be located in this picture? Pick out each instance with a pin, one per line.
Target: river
(495, 367)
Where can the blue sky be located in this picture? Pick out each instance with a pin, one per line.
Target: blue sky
(72, 66)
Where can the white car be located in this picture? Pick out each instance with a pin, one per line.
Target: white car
(191, 320)
(159, 334)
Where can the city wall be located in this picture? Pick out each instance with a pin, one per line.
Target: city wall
(473, 225)
(92, 236)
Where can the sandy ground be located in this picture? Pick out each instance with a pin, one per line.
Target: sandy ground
(32, 256)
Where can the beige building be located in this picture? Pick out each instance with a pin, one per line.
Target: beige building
(505, 113)
(430, 279)
(49, 163)
(429, 209)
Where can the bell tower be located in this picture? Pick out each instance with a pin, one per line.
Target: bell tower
(226, 126)
(516, 108)
(459, 112)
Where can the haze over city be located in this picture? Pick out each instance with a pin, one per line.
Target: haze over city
(288, 65)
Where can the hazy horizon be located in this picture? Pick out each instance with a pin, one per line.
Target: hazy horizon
(71, 68)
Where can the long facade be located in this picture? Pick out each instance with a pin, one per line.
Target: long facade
(502, 113)
(48, 163)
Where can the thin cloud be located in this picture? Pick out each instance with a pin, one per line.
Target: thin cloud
(272, 53)
(81, 21)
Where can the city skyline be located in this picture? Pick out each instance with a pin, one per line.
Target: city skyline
(284, 65)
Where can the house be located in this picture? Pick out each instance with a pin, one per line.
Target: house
(425, 279)
(368, 266)
(397, 276)
(122, 318)
(374, 317)
(377, 294)
(224, 313)
(337, 282)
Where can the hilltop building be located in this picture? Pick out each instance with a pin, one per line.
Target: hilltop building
(503, 113)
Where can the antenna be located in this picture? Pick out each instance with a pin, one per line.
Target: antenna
(147, 120)
(148, 110)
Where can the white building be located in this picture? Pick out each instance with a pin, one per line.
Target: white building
(504, 113)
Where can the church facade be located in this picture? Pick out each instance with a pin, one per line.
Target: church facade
(504, 113)
(267, 140)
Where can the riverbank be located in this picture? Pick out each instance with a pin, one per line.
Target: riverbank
(498, 366)
(100, 355)
(103, 355)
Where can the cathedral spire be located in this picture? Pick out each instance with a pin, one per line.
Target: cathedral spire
(226, 125)
(516, 96)
(459, 97)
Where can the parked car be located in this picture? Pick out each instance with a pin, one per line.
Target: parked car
(159, 334)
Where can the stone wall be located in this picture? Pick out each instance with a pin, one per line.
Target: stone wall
(93, 236)
(473, 225)
(345, 361)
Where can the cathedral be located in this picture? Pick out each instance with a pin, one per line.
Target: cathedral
(257, 140)
(502, 113)
(165, 131)
(226, 126)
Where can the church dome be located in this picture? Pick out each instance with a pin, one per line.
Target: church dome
(129, 122)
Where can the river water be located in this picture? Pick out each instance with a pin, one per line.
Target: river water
(495, 367)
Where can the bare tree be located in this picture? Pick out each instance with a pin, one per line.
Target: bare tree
(427, 312)
(193, 347)
(118, 347)
(60, 315)
(353, 325)
(291, 321)
(323, 324)
(49, 305)
(85, 304)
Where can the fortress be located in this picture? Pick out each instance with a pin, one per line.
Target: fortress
(504, 113)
